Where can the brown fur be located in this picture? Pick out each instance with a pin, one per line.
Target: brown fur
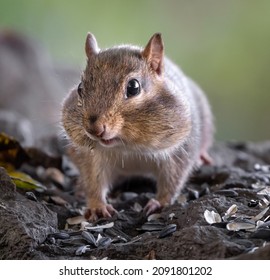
(164, 131)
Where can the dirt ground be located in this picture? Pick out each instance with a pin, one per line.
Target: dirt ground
(37, 225)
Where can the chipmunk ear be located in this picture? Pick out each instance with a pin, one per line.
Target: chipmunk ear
(154, 52)
(91, 46)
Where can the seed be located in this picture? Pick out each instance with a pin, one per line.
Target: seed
(137, 207)
(267, 219)
(153, 217)
(152, 226)
(260, 215)
(117, 233)
(253, 203)
(128, 196)
(82, 249)
(171, 216)
(98, 227)
(89, 237)
(52, 240)
(134, 240)
(212, 217)
(264, 191)
(74, 240)
(261, 224)
(259, 186)
(76, 220)
(60, 235)
(265, 168)
(257, 166)
(169, 229)
(104, 241)
(235, 226)
(232, 210)
(31, 196)
(84, 225)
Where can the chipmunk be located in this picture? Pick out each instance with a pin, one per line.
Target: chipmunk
(135, 113)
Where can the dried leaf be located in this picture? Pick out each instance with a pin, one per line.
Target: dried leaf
(25, 182)
(12, 155)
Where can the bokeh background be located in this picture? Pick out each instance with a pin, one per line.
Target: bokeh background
(223, 45)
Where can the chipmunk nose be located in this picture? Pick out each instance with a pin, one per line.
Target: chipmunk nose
(100, 131)
(96, 128)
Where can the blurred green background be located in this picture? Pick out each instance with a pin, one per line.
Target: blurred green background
(223, 45)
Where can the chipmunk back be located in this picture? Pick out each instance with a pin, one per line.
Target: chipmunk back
(135, 113)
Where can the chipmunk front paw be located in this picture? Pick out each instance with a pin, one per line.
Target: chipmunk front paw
(99, 211)
(152, 206)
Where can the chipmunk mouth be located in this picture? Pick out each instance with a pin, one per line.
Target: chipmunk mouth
(110, 142)
(115, 141)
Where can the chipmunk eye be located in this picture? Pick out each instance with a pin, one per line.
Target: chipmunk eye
(80, 89)
(133, 88)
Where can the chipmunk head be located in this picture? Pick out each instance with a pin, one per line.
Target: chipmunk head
(123, 100)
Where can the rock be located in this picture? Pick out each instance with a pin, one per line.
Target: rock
(7, 187)
(24, 223)
(262, 253)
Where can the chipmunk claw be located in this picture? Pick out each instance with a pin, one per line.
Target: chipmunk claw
(104, 210)
(152, 206)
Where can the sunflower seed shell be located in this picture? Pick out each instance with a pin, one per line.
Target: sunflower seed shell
(169, 229)
(82, 249)
(235, 226)
(212, 217)
(89, 237)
